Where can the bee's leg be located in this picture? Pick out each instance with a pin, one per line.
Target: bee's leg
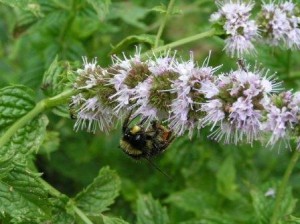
(164, 145)
(154, 127)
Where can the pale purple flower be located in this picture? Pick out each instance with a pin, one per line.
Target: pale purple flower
(280, 24)
(89, 75)
(246, 119)
(241, 31)
(159, 66)
(92, 115)
(214, 112)
(281, 119)
(121, 70)
(236, 110)
(192, 82)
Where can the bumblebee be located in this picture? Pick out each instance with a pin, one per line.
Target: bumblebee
(137, 142)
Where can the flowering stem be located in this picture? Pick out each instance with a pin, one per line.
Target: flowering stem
(282, 187)
(183, 41)
(39, 107)
(162, 25)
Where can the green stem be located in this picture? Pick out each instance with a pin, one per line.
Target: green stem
(83, 217)
(57, 194)
(39, 107)
(162, 25)
(183, 41)
(282, 187)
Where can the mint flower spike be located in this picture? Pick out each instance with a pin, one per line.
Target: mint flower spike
(236, 111)
(125, 74)
(279, 24)
(283, 117)
(240, 30)
(90, 112)
(191, 88)
(160, 67)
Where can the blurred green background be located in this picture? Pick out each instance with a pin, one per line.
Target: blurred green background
(211, 182)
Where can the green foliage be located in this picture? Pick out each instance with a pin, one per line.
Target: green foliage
(263, 203)
(50, 174)
(149, 211)
(134, 40)
(23, 197)
(110, 220)
(100, 193)
(16, 101)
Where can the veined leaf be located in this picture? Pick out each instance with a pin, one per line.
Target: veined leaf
(130, 13)
(15, 102)
(56, 78)
(263, 201)
(100, 6)
(23, 197)
(134, 40)
(112, 220)
(189, 199)
(226, 179)
(149, 211)
(18, 3)
(100, 194)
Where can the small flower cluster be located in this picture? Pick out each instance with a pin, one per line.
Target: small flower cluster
(276, 24)
(239, 106)
(279, 23)
(240, 30)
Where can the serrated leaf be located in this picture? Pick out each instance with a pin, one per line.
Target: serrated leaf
(23, 197)
(163, 9)
(130, 13)
(112, 220)
(149, 211)
(27, 139)
(100, 6)
(100, 194)
(15, 102)
(226, 179)
(160, 9)
(56, 78)
(133, 40)
(50, 143)
(188, 199)
(263, 202)
(23, 4)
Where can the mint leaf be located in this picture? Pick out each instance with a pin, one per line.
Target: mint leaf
(23, 197)
(59, 76)
(149, 211)
(22, 4)
(263, 200)
(56, 78)
(100, 6)
(15, 102)
(226, 179)
(27, 139)
(189, 200)
(134, 40)
(50, 143)
(100, 194)
(111, 220)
